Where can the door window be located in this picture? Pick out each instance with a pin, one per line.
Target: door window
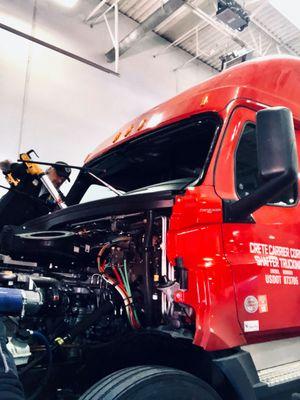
(246, 169)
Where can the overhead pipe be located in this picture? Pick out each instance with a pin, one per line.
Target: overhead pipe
(156, 18)
(57, 49)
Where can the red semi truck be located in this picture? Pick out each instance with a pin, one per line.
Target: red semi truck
(183, 283)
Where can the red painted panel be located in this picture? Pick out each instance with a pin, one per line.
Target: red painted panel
(196, 235)
(229, 292)
(264, 256)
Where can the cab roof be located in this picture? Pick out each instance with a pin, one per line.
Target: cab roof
(270, 81)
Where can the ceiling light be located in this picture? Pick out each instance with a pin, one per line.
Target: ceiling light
(235, 57)
(232, 14)
(67, 3)
(290, 9)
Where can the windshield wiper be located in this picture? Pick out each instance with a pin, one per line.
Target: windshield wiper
(83, 169)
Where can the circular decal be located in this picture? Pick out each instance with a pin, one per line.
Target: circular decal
(251, 304)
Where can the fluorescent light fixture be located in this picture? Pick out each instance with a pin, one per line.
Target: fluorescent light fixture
(290, 9)
(67, 3)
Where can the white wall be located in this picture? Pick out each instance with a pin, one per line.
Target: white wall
(63, 108)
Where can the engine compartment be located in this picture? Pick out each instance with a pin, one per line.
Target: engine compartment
(89, 283)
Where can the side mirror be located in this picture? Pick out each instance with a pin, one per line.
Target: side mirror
(277, 162)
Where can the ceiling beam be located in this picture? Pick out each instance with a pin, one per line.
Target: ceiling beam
(146, 26)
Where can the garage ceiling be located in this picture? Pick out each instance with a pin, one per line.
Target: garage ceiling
(194, 28)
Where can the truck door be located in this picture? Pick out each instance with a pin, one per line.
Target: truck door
(264, 252)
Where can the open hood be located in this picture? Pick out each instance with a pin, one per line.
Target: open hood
(94, 210)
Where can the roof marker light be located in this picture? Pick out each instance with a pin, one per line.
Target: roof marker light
(141, 124)
(204, 100)
(128, 131)
(117, 137)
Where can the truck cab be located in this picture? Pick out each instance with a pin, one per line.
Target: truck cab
(211, 180)
(211, 163)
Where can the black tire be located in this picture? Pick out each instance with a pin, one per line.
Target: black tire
(148, 383)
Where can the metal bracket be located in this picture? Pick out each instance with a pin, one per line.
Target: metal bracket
(95, 17)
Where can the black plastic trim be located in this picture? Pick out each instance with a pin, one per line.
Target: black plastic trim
(240, 371)
(227, 217)
(238, 211)
(101, 208)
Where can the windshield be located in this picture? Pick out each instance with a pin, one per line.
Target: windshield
(169, 157)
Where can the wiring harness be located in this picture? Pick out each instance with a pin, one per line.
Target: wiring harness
(120, 281)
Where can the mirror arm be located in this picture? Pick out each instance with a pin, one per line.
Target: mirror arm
(241, 210)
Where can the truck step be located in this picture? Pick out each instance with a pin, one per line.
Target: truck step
(280, 374)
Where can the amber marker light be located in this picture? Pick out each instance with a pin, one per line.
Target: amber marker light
(204, 101)
(141, 124)
(128, 131)
(117, 137)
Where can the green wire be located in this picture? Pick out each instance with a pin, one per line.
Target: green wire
(129, 290)
(123, 278)
(126, 273)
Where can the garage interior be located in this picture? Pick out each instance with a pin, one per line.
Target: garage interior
(185, 48)
(73, 73)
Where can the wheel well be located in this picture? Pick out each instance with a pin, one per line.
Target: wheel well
(150, 348)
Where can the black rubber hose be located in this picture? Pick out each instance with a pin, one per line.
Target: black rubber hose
(77, 330)
(41, 338)
(90, 320)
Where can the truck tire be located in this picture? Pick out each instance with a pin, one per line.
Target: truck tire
(148, 383)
